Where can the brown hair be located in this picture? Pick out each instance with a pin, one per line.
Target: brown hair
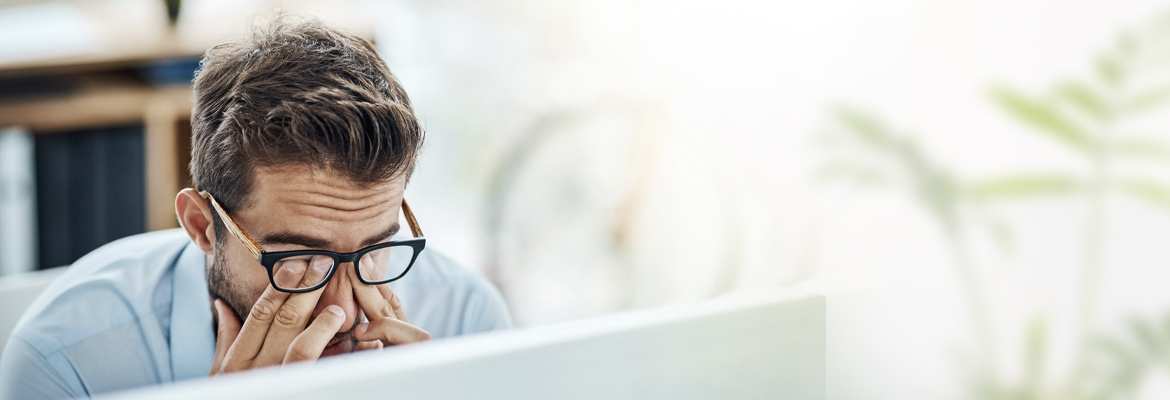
(298, 91)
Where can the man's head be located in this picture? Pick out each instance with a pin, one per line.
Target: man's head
(307, 140)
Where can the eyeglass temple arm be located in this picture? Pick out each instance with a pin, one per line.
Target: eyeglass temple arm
(254, 248)
(410, 220)
(244, 237)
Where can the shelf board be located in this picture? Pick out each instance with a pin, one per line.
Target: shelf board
(138, 52)
(103, 105)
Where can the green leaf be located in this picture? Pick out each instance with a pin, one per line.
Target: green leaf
(1083, 98)
(863, 126)
(1165, 333)
(1003, 236)
(1034, 354)
(1147, 338)
(1142, 148)
(1042, 117)
(1129, 366)
(1118, 352)
(1150, 191)
(1146, 100)
(1109, 71)
(1161, 24)
(1024, 185)
(1126, 44)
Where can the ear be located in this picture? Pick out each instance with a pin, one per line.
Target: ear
(195, 216)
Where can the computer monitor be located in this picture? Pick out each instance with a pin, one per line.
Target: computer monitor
(768, 345)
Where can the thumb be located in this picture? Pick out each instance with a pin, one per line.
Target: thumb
(229, 328)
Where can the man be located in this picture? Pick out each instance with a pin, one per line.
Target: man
(303, 143)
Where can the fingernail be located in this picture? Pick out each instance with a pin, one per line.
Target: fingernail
(295, 268)
(322, 266)
(335, 310)
(361, 329)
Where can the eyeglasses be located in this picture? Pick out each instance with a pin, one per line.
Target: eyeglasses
(375, 265)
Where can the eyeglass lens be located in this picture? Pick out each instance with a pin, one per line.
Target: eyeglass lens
(306, 271)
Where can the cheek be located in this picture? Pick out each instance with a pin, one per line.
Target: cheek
(247, 276)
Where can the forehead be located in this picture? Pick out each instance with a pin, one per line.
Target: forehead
(305, 187)
(320, 204)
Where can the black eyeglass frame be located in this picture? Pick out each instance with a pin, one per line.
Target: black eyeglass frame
(269, 260)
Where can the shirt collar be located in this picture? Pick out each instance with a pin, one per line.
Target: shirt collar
(192, 336)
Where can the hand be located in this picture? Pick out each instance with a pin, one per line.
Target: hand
(387, 324)
(275, 330)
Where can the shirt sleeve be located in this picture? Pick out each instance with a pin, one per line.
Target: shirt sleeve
(487, 310)
(26, 374)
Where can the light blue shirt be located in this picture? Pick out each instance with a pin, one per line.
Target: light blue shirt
(136, 312)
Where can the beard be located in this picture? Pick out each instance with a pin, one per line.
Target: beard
(224, 285)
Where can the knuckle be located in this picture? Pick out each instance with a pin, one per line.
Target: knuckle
(288, 316)
(297, 353)
(262, 311)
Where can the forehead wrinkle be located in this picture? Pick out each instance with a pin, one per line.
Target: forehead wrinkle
(310, 225)
(343, 192)
(308, 179)
(310, 200)
(322, 205)
(337, 186)
(334, 214)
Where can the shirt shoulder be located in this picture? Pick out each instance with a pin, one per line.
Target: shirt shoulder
(446, 298)
(432, 267)
(104, 289)
(106, 308)
(25, 374)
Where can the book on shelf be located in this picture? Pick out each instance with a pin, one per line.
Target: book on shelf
(90, 190)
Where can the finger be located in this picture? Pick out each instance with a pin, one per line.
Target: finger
(390, 332)
(255, 328)
(309, 344)
(370, 345)
(395, 303)
(226, 333)
(377, 301)
(368, 297)
(369, 264)
(289, 273)
(292, 316)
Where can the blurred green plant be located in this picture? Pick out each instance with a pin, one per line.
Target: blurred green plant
(870, 154)
(1094, 119)
(1125, 360)
(1097, 119)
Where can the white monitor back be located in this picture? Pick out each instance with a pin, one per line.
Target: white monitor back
(760, 346)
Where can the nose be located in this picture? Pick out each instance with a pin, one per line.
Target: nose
(339, 292)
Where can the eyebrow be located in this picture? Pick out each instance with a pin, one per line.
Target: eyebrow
(297, 239)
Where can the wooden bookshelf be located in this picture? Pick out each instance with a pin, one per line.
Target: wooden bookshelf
(105, 85)
(109, 91)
